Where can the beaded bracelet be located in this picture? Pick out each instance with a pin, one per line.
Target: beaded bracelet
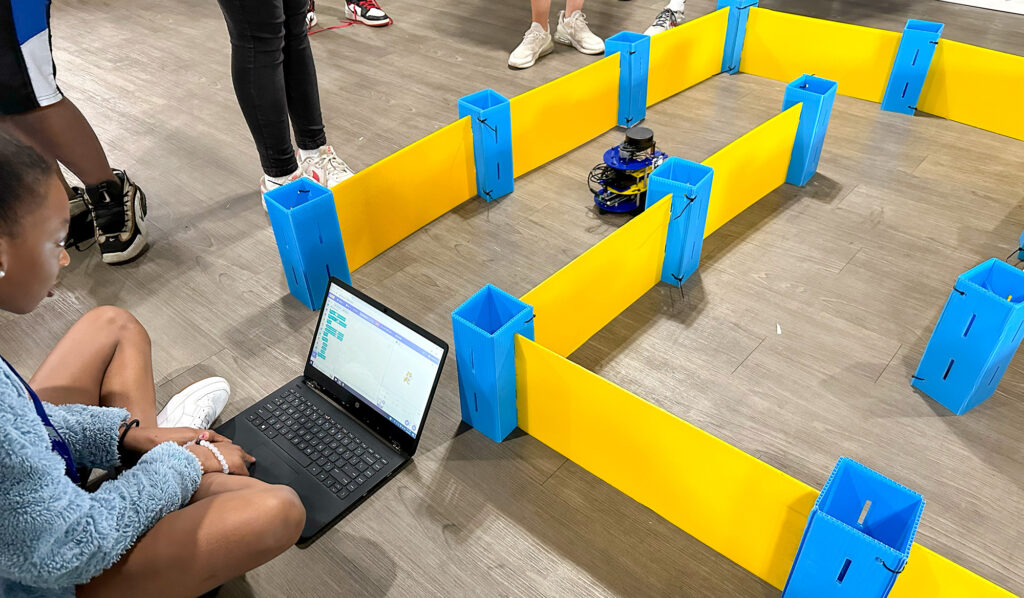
(202, 470)
(216, 453)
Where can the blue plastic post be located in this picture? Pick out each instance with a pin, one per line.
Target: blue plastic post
(975, 338)
(817, 96)
(690, 186)
(634, 57)
(735, 33)
(1020, 247)
(492, 142)
(485, 328)
(913, 59)
(858, 536)
(305, 222)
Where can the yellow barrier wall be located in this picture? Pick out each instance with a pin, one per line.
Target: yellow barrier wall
(559, 116)
(782, 46)
(750, 168)
(738, 505)
(397, 196)
(686, 55)
(578, 300)
(976, 86)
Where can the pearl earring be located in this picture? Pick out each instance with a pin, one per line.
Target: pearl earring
(3, 273)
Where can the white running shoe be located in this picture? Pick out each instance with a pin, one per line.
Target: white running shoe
(325, 168)
(271, 183)
(666, 19)
(536, 43)
(197, 406)
(573, 31)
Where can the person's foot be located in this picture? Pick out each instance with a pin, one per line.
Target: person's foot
(269, 183)
(197, 406)
(666, 19)
(325, 167)
(536, 43)
(81, 228)
(367, 12)
(118, 209)
(573, 31)
(311, 16)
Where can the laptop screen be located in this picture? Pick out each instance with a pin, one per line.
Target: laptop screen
(385, 364)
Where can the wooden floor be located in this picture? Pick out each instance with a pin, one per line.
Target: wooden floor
(853, 269)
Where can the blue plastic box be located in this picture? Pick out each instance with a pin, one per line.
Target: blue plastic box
(690, 186)
(485, 327)
(305, 222)
(975, 338)
(858, 536)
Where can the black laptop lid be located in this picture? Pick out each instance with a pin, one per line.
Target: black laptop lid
(378, 366)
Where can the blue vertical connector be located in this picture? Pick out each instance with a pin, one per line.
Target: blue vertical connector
(634, 57)
(858, 536)
(305, 222)
(736, 33)
(690, 186)
(485, 328)
(817, 95)
(975, 338)
(492, 142)
(913, 59)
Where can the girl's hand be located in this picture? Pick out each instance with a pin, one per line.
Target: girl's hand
(237, 459)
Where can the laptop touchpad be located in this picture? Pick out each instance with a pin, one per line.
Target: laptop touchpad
(270, 468)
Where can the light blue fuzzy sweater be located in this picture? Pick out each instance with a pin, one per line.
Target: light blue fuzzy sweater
(53, 534)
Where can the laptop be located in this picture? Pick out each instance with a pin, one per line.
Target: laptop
(353, 420)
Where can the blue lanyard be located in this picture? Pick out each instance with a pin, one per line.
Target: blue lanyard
(57, 443)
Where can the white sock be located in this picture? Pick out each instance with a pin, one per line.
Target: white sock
(303, 154)
(280, 180)
(676, 5)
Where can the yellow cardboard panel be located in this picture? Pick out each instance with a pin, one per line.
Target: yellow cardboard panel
(783, 46)
(686, 55)
(743, 508)
(397, 196)
(578, 300)
(976, 86)
(750, 168)
(738, 505)
(559, 116)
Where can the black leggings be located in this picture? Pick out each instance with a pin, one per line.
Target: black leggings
(274, 77)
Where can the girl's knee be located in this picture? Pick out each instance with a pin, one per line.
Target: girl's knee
(281, 510)
(116, 320)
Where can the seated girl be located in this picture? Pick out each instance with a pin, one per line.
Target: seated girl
(185, 517)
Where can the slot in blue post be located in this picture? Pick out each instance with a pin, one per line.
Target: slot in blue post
(690, 186)
(735, 33)
(976, 336)
(492, 142)
(634, 57)
(485, 327)
(858, 536)
(913, 59)
(305, 222)
(817, 95)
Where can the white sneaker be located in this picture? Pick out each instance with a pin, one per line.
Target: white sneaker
(325, 168)
(367, 12)
(573, 31)
(536, 43)
(270, 183)
(196, 406)
(666, 19)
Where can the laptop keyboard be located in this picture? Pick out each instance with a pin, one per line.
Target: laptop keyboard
(328, 451)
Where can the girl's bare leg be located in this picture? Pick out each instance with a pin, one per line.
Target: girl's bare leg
(105, 359)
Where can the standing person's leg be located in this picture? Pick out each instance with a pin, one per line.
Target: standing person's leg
(318, 160)
(572, 6)
(537, 39)
(35, 109)
(256, 30)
